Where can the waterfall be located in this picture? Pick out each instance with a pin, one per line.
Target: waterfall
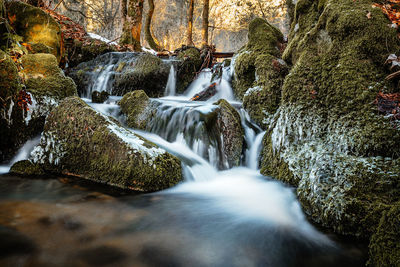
(170, 89)
(22, 154)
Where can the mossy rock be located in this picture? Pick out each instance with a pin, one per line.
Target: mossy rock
(139, 109)
(78, 52)
(384, 248)
(326, 138)
(79, 141)
(9, 79)
(26, 168)
(99, 97)
(9, 88)
(228, 125)
(259, 71)
(189, 65)
(35, 26)
(148, 73)
(43, 77)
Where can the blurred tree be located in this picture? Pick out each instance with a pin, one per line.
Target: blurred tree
(147, 28)
(204, 29)
(189, 35)
(131, 16)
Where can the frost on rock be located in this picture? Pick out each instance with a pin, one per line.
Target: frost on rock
(50, 150)
(40, 107)
(253, 90)
(137, 144)
(329, 176)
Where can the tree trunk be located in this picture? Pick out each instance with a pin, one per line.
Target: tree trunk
(147, 24)
(132, 26)
(204, 30)
(189, 34)
(124, 10)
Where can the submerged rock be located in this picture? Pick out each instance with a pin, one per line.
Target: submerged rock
(259, 71)
(327, 138)
(35, 26)
(79, 141)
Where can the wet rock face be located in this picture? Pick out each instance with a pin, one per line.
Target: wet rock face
(122, 73)
(35, 26)
(148, 73)
(229, 127)
(99, 97)
(259, 71)
(79, 141)
(187, 68)
(327, 138)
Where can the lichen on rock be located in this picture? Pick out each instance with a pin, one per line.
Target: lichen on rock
(88, 144)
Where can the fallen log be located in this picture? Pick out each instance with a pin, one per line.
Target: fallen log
(206, 94)
(223, 54)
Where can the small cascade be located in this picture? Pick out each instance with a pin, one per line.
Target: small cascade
(22, 154)
(221, 76)
(170, 89)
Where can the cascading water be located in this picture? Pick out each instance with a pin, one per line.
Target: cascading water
(229, 217)
(170, 89)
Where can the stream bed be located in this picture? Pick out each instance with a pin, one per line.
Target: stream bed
(218, 216)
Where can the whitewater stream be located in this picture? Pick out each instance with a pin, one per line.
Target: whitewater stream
(219, 216)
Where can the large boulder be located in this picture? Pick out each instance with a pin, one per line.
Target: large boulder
(327, 137)
(35, 26)
(259, 71)
(79, 141)
(218, 125)
(148, 73)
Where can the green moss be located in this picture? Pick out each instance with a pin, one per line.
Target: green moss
(83, 144)
(44, 78)
(133, 104)
(384, 248)
(35, 26)
(99, 97)
(9, 79)
(149, 73)
(273, 165)
(327, 137)
(26, 168)
(257, 66)
(189, 65)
